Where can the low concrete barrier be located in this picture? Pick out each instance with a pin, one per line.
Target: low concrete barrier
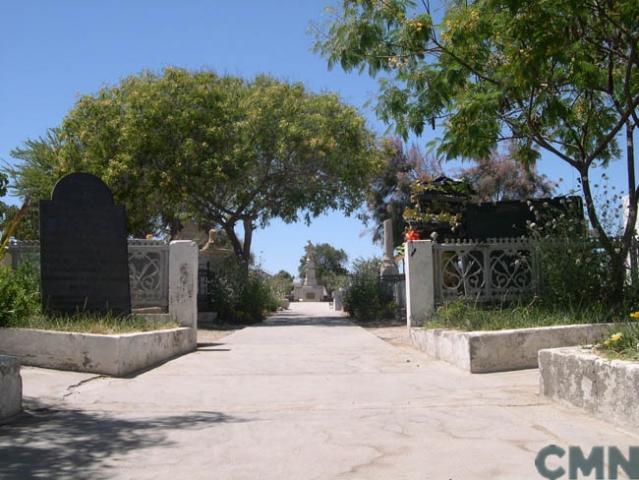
(10, 388)
(500, 350)
(115, 355)
(608, 389)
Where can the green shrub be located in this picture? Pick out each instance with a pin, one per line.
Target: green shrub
(365, 297)
(239, 297)
(19, 294)
(462, 315)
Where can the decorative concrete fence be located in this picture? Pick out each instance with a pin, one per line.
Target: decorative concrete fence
(436, 273)
(149, 273)
(148, 269)
(167, 272)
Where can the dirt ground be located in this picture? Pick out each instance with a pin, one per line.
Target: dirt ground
(391, 331)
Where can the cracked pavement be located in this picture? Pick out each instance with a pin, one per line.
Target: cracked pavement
(306, 395)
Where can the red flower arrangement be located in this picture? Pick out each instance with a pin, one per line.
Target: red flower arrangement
(411, 235)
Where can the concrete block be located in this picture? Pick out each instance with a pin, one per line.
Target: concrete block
(608, 389)
(10, 387)
(183, 267)
(501, 350)
(115, 355)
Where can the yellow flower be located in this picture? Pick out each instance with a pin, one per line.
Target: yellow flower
(635, 315)
(616, 337)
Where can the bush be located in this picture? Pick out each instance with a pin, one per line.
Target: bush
(461, 315)
(239, 297)
(19, 294)
(365, 297)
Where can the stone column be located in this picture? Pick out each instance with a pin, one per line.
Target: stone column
(420, 282)
(183, 265)
(388, 263)
(337, 300)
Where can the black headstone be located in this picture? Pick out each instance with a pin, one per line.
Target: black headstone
(83, 249)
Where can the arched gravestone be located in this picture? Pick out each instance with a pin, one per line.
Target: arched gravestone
(83, 249)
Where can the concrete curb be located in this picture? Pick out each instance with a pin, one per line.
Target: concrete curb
(608, 389)
(502, 350)
(115, 355)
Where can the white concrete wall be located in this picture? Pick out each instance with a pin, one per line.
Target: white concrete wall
(105, 354)
(500, 350)
(608, 389)
(420, 282)
(183, 267)
(10, 387)
(446, 345)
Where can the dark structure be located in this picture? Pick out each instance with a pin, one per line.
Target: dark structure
(83, 249)
(450, 214)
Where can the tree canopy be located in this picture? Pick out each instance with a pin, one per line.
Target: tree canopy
(562, 76)
(495, 177)
(220, 150)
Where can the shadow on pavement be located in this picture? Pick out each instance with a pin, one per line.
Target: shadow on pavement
(71, 444)
(286, 319)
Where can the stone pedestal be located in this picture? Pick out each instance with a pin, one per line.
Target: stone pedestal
(311, 290)
(388, 267)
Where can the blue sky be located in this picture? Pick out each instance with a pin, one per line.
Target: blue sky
(53, 51)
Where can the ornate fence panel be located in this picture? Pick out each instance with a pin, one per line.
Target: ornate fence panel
(149, 273)
(148, 269)
(500, 269)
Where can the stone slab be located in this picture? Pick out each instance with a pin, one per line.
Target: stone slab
(608, 389)
(115, 355)
(502, 350)
(10, 388)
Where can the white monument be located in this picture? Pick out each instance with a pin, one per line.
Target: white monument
(310, 290)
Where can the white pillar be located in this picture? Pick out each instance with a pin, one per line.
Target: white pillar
(420, 282)
(183, 266)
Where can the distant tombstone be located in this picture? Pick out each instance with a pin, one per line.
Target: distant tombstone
(83, 249)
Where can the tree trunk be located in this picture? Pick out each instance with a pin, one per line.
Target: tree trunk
(248, 239)
(617, 271)
(629, 231)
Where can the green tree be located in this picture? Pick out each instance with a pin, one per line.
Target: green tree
(282, 283)
(330, 265)
(218, 149)
(557, 75)
(495, 177)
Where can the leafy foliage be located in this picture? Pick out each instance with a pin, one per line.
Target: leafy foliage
(241, 298)
(282, 284)
(365, 298)
(499, 176)
(461, 315)
(19, 294)
(561, 76)
(407, 172)
(217, 149)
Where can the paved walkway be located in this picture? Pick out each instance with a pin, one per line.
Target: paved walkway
(305, 396)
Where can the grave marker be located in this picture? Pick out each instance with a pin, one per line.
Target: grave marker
(83, 248)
